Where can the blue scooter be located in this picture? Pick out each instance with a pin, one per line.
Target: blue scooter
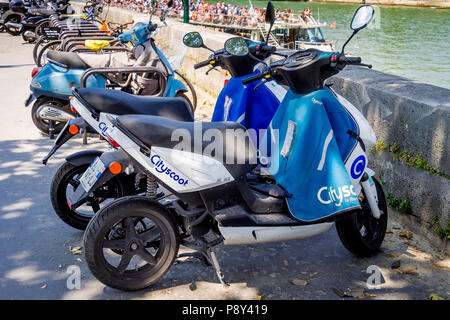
(51, 85)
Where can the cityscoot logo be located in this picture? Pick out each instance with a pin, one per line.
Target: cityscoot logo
(163, 168)
(337, 196)
(234, 145)
(73, 281)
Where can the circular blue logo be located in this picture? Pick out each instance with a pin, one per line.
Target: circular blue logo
(358, 166)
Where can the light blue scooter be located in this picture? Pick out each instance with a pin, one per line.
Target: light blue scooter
(51, 85)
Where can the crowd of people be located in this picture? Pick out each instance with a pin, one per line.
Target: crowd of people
(218, 13)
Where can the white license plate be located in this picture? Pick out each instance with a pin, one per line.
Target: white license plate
(92, 174)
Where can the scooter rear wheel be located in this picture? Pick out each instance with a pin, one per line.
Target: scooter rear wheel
(44, 125)
(66, 180)
(361, 233)
(12, 18)
(131, 243)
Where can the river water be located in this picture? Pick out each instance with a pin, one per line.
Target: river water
(412, 42)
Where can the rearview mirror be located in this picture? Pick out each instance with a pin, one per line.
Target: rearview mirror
(362, 17)
(236, 46)
(270, 13)
(193, 40)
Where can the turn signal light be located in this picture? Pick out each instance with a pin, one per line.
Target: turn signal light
(225, 82)
(115, 168)
(73, 129)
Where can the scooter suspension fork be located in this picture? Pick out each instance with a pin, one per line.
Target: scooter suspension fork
(370, 193)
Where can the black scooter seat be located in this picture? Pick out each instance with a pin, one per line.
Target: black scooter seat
(120, 103)
(69, 59)
(236, 152)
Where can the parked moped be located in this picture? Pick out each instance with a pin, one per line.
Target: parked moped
(51, 85)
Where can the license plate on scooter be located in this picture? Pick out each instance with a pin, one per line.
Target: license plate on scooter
(92, 174)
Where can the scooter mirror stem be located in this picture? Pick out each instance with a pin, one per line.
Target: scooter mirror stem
(268, 33)
(205, 47)
(348, 40)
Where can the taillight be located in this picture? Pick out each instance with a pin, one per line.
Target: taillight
(34, 72)
(112, 142)
(71, 105)
(225, 82)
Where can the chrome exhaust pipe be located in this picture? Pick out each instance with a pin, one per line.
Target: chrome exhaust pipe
(29, 35)
(14, 25)
(54, 114)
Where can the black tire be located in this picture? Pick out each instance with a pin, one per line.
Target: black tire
(350, 228)
(192, 103)
(52, 45)
(12, 18)
(185, 97)
(121, 214)
(66, 177)
(42, 124)
(40, 43)
(38, 30)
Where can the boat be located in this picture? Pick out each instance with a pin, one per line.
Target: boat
(301, 32)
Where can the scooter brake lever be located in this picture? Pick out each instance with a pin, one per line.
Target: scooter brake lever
(365, 65)
(210, 69)
(259, 85)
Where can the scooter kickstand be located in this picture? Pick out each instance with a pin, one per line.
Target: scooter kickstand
(51, 129)
(216, 265)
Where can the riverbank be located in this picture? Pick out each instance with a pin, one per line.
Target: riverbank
(408, 3)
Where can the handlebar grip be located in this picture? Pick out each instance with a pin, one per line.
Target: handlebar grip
(152, 27)
(253, 78)
(201, 64)
(350, 60)
(267, 48)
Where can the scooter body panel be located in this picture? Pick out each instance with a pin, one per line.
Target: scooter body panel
(253, 109)
(56, 81)
(309, 160)
(173, 87)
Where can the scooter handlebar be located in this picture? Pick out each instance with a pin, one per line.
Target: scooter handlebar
(350, 60)
(253, 78)
(202, 64)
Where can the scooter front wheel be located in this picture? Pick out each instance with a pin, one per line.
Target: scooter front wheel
(131, 243)
(361, 233)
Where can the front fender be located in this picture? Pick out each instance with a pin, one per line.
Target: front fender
(83, 157)
(9, 13)
(174, 86)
